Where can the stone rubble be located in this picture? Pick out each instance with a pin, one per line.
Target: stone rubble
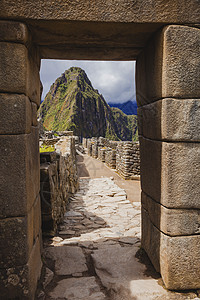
(97, 253)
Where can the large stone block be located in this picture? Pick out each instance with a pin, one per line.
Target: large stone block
(15, 114)
(171, 120)
(18, 236)
(19, 73)
(20, 282)
(19, 173)
(104, 11)
(169, 66)
(34, 114)
(173, 222)
(176, 258)
(170, 172)
(11, 31)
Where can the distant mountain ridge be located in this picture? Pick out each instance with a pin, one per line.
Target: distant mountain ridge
(73, 104)
(129, 107)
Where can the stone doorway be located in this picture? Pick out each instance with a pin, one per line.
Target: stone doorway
(168, 94)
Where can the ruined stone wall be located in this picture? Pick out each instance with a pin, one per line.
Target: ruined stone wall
(107, 143)
(58, 180)
(128, 160)
(123, 156)
(101, 153)
(110, 158)
(64, 133)
(89, 147)
(95, 149)
(84, 143)
(48, 142)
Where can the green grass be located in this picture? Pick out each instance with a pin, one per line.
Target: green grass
(47, 149)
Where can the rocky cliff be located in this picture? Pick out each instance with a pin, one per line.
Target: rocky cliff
(73, 104)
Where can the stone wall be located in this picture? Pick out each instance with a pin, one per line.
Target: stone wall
(168, 96)
(123, 156)
(84, 142)
(110, 158)
(48, 142)
(128, 160)
(58, 180)
(95, 149)
(20, 217)
(89, 147)
(101, 153)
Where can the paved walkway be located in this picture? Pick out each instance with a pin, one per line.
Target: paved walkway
(94, 168)
(97, 254)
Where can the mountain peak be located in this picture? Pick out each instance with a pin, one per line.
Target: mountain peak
(73, 104)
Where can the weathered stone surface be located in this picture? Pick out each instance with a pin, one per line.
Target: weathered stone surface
(17, 67)
(176, 258)
(169, 65)
(126, 279)
(173, 222)
(109, 271)
(34, 114)
(136, 12)
(15, 114)
(37, 226)
(169, 171)
(170, 119)
(68, 259)
(21, 281)
(19, 181)
(14, 236)
(11, 31)
(18, 236)
(77, 288)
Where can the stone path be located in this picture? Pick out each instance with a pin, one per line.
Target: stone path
(94, 168)
(97, 253)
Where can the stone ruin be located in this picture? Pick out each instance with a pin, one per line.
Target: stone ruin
(58, 181)
(122, 156)
(163, 37)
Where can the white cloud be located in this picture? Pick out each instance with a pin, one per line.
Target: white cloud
(114, 80)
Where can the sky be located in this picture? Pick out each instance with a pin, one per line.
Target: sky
(115, 80)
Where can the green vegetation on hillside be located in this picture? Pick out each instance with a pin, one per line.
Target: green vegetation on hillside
(73, 104)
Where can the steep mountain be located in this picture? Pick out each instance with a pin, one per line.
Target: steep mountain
(126, 125)
(73, 104)
(128, 107)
